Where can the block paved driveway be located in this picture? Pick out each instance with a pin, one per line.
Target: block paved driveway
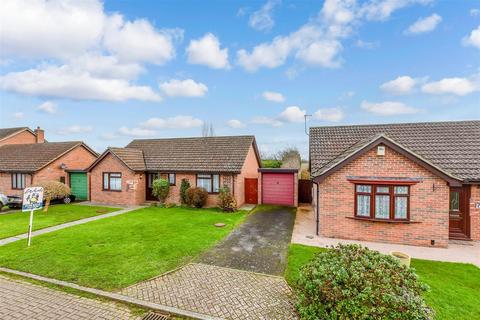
(219, 287)
(24, 300)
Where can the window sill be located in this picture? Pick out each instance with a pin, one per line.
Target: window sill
(111, 190)
(383, 220)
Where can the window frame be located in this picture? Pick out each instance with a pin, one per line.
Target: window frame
(392, 196)
(211, 181)
(14, 180)
(174, 178)
(108, 180)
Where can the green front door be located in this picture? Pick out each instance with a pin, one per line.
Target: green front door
(79, 185)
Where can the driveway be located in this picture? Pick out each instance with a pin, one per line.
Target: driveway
(260, 244)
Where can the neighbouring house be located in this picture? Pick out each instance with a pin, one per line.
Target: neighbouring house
(125, 175)
(412, 183)
(21, 135)
(26, 158)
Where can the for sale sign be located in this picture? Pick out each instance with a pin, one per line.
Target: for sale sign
(32, 199)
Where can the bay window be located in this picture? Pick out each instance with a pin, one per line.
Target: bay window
(382, 202)
(210, 182)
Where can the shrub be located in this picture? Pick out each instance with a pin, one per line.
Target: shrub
(197, 197)
(161, 188)
(226, 201)
(353, 282)
(52, 190)
(305, 174)
(183, 191)
(269, 163)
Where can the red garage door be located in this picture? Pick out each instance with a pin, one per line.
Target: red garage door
(278, 188)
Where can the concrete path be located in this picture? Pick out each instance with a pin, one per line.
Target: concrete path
(24, 300)
(304, 233)
(219, 292)
(67, 225)
(260, 244)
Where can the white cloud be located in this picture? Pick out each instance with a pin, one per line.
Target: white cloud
(237, 124)
(292, 114)
(273, 96)
(400, 85)
(105, 66)
(135, 132)
(207, 51)
(183, 88)
(75, 129)
(177, 122)
(48, 107)
(329, 114)
(366, 44)
(475, 12)
(318, 42)
(388, 108)
(267, 121)
(50, 28)
(262, 19)
(456, 86)
(473, 39)
(424, 25)
(18, 115)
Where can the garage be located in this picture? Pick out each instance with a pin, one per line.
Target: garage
(279, 186)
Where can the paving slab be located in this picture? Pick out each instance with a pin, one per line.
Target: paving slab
(260, 244)
(24, 300)
(219, 292)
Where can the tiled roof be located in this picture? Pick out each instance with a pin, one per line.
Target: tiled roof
(204, 154)
(453, 147)
(133, 158)
(32, 157)
(5, 132)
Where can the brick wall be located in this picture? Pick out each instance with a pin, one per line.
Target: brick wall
(428, 207)
(24, 137)
(249, 170)
(474, 212)
(77, 159)
(133, 184)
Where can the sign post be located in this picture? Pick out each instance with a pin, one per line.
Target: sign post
(32, 200)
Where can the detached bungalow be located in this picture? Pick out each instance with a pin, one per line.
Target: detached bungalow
(125, 175)
(26, 158)
(413, 183)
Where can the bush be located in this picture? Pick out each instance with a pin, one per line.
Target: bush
(353, 282)
(269, 163)
(52, 190)
(226, 201)
(197, 197)
(161, 188)
(183, 191)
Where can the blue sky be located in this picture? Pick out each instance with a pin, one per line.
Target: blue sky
(108, 72)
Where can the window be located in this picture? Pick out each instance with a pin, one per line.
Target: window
(383, 202)
(210, 182)
(19, 181)
(171, 178)
(112, 181)
(454, 201)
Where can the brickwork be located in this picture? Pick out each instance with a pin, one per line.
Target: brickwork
(23, 137)
(429, 202)
(219, 292)
(249, 170)
(77, 159)
(475, 212)
(133, 184)
(23, 300)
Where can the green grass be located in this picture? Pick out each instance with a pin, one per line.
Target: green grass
(454, 287)
(116, 252)
(15, 223)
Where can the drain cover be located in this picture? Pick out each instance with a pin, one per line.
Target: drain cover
(155, 316)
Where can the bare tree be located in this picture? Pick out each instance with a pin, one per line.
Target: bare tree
(207, 130)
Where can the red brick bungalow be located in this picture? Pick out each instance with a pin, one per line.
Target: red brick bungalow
(26, 158)
(413, 183)
(124, 175)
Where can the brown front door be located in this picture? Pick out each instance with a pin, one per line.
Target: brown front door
(459, 224)
(149, 182)
(251, 190)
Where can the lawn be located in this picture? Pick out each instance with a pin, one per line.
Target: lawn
(12, 224)
(116, 252)
(454, 287)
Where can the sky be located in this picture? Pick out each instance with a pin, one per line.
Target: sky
(109, 72)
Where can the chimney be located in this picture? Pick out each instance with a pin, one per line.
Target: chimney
(40, 135)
